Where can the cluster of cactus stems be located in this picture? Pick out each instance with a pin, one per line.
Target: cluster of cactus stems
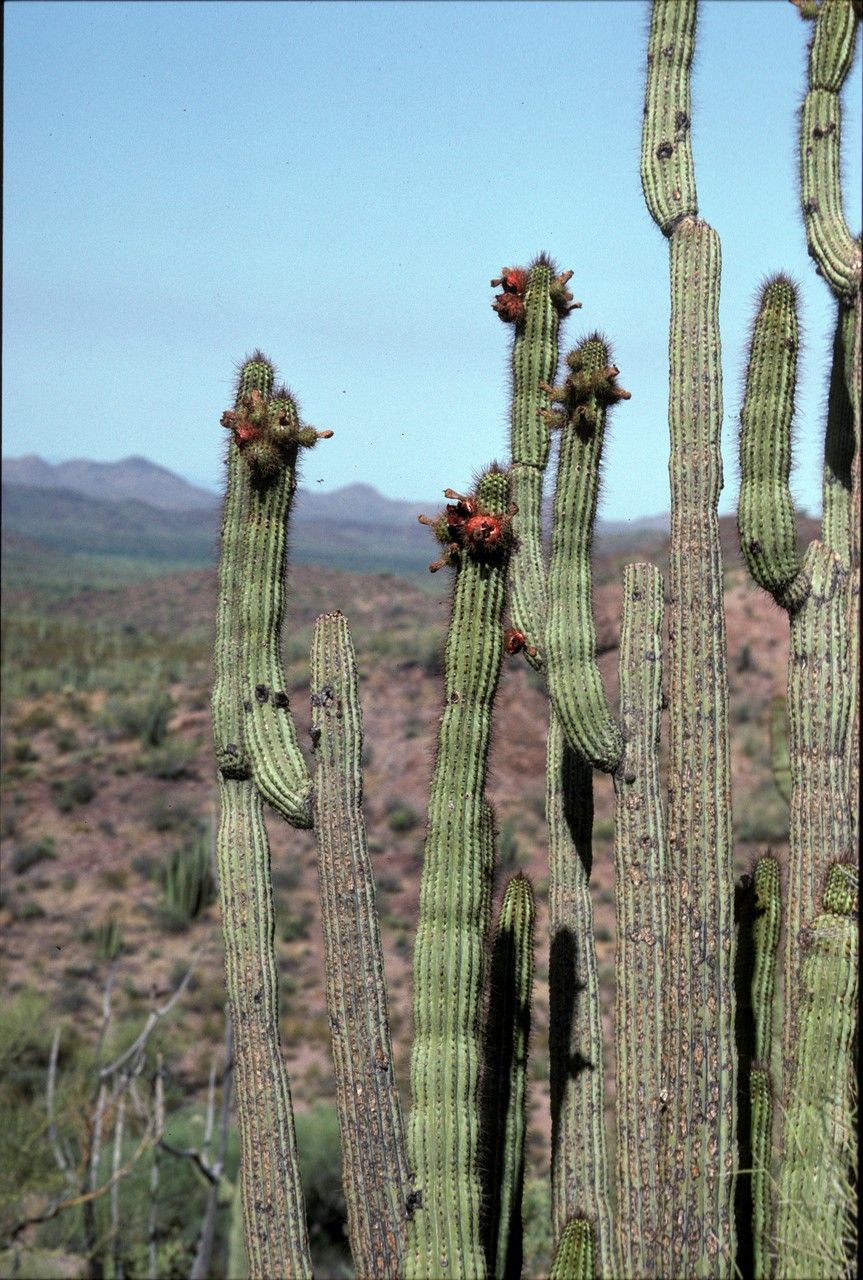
(730, 1153)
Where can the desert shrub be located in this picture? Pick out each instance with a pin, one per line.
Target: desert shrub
(27, 909)
(164, 814)
(29, 855)
(70, 792)
(169, 761)
(66, 740)
(293, 926)
(321, 1171)
(187, 883)
(762, 816)
(142, 718)
(400, 817)
(107, 940)
(22, 751)
(507, 848)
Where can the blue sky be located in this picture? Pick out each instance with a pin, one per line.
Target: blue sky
(337, 183)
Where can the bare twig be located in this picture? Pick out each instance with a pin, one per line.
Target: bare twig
(117, 1269)
(203, 1253)
(155, 1016)
(159, 1130)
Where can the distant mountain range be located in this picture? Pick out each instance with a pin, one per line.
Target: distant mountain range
(135, 508)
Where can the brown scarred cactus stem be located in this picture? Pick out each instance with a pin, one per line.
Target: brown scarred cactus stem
(574, 681)
(377, 1183)
(274, 1215)
(640, 893)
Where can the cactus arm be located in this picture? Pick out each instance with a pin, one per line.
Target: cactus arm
(505, 1050)
(639, 878)
(765, 513)
(816, 1194)
(273, 1210)
(575, 1255)
(579, 1161)
(279, 769)
(667, 168)
(228, 717)
(444, 1230)
(377, 1182)
(839, 444)
(534, 367)
(574, 682)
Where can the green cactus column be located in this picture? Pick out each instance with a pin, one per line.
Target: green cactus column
(533, 300)
(698, 1062)
(444, 1234)
(640, 902)
(837, 256)
(575, 1258)
(258, 757)
(816, 1185)
(377, 1182)
(814, 592)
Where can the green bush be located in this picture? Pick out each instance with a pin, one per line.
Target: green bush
(320, 1154)
(29, 855)
(400, 817)
(169, 761)
(70, 792)
(142, 718)
(164, 814)
(187, 883)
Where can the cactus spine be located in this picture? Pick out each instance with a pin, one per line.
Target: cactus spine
(575, 1257)
(698, 1066)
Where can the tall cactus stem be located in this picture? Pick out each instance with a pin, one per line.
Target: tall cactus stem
(698, 1067)
(444, 1231)
(819, 708)
(273, 1211)
(545, 300)
(504, 1086)
(574, 681)
(816, 1192)
(374, 1158)
(229, 728)
(579, 1160)
(575, 1255)
(640, 889)
(667, 168)
(765, 513)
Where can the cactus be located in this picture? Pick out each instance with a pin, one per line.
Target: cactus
(455, 898)
(375, 1161)
(443, 1198)
(698, 1062)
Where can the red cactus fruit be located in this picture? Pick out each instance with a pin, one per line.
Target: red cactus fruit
(483, 532)
(510, 307)
(515, 641)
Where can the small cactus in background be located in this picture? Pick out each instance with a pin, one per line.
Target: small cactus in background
(697, 1079)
